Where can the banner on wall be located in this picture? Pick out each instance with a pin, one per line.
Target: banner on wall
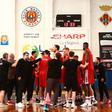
(69, 38)
(30, 26)
(105, 41)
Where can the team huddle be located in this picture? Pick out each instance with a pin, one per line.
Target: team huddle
(49, 77)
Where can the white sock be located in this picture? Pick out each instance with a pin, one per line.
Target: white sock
(86, 98)
(67, 101)
(73, 102)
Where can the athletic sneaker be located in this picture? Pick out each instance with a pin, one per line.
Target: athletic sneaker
(59, 99)
(94, 102)
(41, 102)
(73, 105)
(86, 104)
(67, 104)
(61, 103)
(19, 105)
(89, 104)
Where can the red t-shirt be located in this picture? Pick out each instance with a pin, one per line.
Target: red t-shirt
(43, 68)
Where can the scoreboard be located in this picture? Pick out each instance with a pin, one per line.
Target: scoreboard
(68, 20)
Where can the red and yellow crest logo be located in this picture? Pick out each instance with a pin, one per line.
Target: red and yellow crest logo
(31, 16)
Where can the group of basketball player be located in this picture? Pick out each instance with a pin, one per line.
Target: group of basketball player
(46, 75)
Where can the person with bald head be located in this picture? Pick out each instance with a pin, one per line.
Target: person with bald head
(11, 78)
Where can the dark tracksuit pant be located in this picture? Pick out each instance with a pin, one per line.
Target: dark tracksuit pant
(93, 87)
(25, 85)
(10, 87)
(24, 70)
(60, 90)
(102, 90)
(53, 85)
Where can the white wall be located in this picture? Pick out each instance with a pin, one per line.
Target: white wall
(70, 7)
(22, 29)
(7, 25)
(74, 7)
(47, 27)
(96, 25)
(91, 26)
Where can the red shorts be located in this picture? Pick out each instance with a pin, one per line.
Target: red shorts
(42, 79)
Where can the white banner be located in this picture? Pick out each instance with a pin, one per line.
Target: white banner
(29, 25)
(69, 38)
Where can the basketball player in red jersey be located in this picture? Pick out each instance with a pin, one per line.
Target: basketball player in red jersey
(43, 68)
(88, 75)
(65, 57)
(35, 74)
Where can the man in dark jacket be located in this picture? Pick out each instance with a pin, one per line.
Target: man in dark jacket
(100, 70)
(53, 79)
(25, 78)
(4, 66)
